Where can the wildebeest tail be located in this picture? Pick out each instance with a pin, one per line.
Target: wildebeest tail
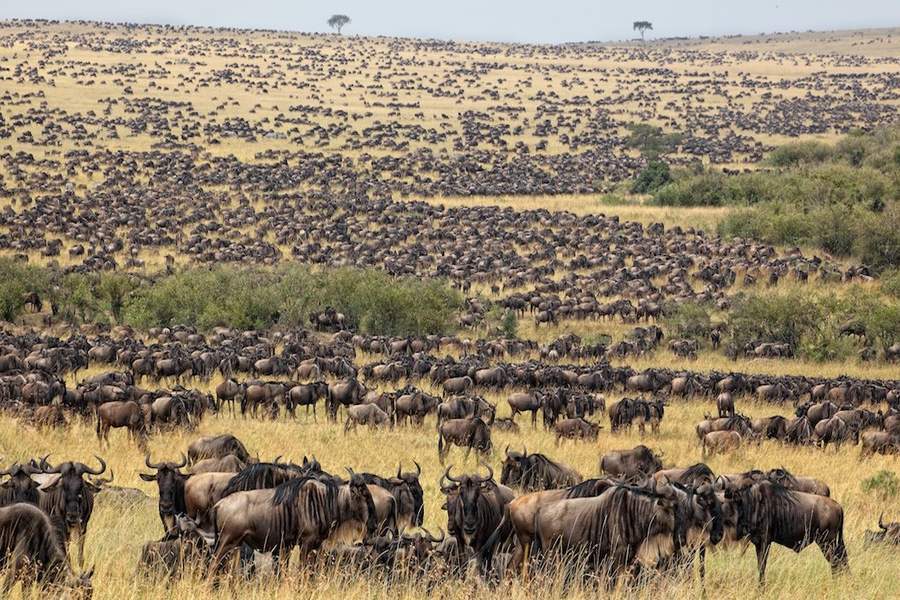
(499, 536)
(98, 423)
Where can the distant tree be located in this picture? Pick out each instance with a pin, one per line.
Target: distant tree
(642, 26)
(338, 21)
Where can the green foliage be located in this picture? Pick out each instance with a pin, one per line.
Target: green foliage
(783, 317)
(510, 324)
(800, 153)
(651, 141)
(655, 175)
(890, 282)
(372, 300)
(688, 320)
(16, 280)
(877, 242)
(884, 484)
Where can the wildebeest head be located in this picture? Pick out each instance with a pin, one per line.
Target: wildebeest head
(705, 511)
(170, 481)
(514, 467)
(408, 492)
(469, 490)
(361, 506)
(20, 487)
(72, 486)
(889, 534)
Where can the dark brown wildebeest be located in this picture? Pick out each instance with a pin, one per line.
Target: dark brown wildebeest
(770, 428)
(49, 416)
(693, 476)
(630, 465)
(576, 429)
(621, 414)
(797, 483)
(506, 424)
(301, 512)
(769, 513)
(306, 394)
(518, 518)
(69, 500)
(408, 493)
(725, 405)
(457, 385)
(649, 412)
(717, 442)
(889, 534)
(170, 482)
(535, 472)
(879, 442)
(835, 431)
(469, 433)
(414, 406)
(217, 446)
(817, 412)
(230, 391)
(474, 507)
(181, 550)
(462, 407)
(700, 521)
(343, 393)
(31, 550)
(226, 464)
(20, 487)
(366, 414)
(525, 402)
(610, 533)
(738, 423)
(126, 414)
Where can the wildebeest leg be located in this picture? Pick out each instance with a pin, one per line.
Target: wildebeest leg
(835, 553)
(762, 556)
(534, 419)
(702, 554)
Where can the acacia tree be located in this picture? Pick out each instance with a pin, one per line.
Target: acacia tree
(642, 26)
(337, 22)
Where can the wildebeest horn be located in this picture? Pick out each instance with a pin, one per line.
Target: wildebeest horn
(418, 468)
(399, 470)
(90, 471)
(881, 521)
(275, 461)
(449, 477)
(506, 451)
(149, 464)
(488, 478)
(47, 467)
(349, 470)
(183, 462)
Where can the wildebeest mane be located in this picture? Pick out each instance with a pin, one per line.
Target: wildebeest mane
(261, 476)
(697, 472)
(589, 488)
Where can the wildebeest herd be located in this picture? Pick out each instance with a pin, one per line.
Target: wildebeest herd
(218, 500)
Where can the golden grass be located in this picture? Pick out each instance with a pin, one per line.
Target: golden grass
(117, 533)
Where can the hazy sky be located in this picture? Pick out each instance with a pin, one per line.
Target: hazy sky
(501, 20)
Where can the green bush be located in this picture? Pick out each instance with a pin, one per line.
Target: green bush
(16, 280)
(884, 484)
(781, 317)
(800, 153)
(877, 241)
(688, 320)
(651, 141)
(890, 282)
(655, 175)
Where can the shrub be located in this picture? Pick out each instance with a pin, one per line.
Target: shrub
(890, 282)
(877, 241)
(884, 484)
(781, 317)
(655, 175)
(16, 280)
(688, 320)
(800, 153)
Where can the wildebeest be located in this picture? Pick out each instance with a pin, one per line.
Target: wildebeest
(468, 433)
(343, 393)
(31, 550)
(879, 442)
(534, 472)
(525, 402)
(408, 493)
(20, 487)
(889, 534)
(630, 465)
(576, 429)
(457, 385)
(217, 446)
(126, 414)
(611, 532)
(170, 483)
(301, 512)
(366, 414)
(769, 513)
(306, 394)
(693, 476)
(181, 549)
(225, 464)
(717, 442)
(798, 483)
(69, 500)
(230, 391)
(725, 405)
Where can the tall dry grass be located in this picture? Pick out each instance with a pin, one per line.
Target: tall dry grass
(118, 531)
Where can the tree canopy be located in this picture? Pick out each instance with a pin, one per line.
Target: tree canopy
(337, 22)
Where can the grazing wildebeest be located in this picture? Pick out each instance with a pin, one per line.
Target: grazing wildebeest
(621, 414)
(306, 394)
(31, 550)
(170, 482)
(468, 433)
(717, 442)
(69, 500)
(126, 414)
(366, 414)
(49, 416)
(630, 465)
(770, 428)
(525, 402)
(576, 429)
(889, 534)
(534, 472)
(300, 512)
(181, 550)
(612, 532)
(217, 446)
(769, 513)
